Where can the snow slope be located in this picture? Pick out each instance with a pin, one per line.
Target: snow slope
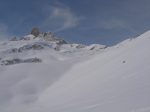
(114, 79)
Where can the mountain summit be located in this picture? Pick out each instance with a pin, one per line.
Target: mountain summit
(47, 36)
(35, 31)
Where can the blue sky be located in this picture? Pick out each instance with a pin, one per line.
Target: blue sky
(82, 21)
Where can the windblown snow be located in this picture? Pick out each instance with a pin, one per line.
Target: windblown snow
(38, 75)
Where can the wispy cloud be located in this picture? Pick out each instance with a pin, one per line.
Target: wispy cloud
(60, 17)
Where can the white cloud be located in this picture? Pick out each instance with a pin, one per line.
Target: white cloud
(60, 18)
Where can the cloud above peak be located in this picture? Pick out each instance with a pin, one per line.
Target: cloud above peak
(60, 17)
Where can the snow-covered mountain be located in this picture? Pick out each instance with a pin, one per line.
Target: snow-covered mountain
(47, 74)
(29, 47)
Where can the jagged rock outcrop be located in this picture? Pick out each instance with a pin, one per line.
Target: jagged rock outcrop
(35, 31)
(34, 46)
(49, 36)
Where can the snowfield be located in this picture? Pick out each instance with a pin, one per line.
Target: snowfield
(75, 78)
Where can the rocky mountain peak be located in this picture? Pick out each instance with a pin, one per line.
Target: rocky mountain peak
(35, 31)
(37, 34)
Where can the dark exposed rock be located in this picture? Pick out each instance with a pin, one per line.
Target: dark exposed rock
(14, 50)
(37, 47)
(29, 47)
(11, 62)
(26, 47)
(80, 46)
(31, 60)
(17, 61)
(123, 61)
(60, 41)
(35, 31)
(51, 37)
(92, 48)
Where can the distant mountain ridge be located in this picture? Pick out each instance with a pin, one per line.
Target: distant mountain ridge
(38, 42)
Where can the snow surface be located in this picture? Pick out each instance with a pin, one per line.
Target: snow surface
(77, 79)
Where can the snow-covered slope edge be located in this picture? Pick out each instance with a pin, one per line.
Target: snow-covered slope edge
(117, 80)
